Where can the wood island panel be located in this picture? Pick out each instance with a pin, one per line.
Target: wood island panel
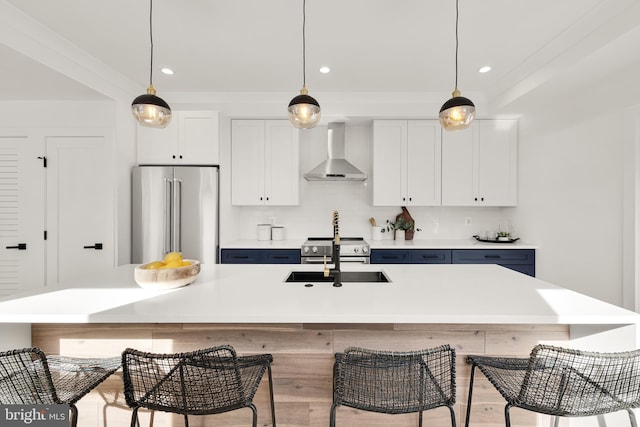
(302, 368)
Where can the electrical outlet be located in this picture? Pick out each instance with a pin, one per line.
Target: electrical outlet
(467, 221)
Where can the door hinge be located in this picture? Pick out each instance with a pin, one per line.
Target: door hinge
(44, 161)
(45, 234)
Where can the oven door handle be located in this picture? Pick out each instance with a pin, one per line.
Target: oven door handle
(313, 261)
(343, 260)
(359, 260)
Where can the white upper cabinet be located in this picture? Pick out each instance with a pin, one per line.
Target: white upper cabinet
(191, 138)
(479, 164)
(264, 163)
(406, 163)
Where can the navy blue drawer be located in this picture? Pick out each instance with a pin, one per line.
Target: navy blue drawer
(260, 256)
(390, 256)
(431, 256)
(240, 256)
(280, 256)
(494, 256)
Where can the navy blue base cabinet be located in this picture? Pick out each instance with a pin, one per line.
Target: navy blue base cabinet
(410, 256)
(522, 260)
(260, 256)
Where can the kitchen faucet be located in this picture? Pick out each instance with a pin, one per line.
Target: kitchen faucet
(335, 254)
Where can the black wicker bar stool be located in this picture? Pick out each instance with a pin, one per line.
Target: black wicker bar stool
(29, 377)
(395, 382)
(563, 382)
(201, 382)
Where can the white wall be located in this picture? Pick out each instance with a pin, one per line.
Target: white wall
(88, 114)
(571, 200)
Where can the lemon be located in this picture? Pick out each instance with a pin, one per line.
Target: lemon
(173, 256)
(154, 265)
(185, 263)
(173, 264)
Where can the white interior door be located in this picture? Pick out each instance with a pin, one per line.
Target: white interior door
(79, 207)
(21, 214)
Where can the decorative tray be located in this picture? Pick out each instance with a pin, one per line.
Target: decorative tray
(509, 240)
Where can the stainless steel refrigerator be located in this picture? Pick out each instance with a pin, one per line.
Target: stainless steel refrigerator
(175, 209)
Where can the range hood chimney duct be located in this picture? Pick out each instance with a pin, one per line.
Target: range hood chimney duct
(336, 167)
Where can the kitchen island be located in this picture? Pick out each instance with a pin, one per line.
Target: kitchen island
(479, 309)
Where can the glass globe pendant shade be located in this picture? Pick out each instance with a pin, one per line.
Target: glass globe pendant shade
(151, 110)
(457, 113)
(304, 110)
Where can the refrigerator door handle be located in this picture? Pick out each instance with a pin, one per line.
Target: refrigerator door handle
(168, 209)
(177, 215)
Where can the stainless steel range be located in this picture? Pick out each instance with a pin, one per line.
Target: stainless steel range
(352, 249)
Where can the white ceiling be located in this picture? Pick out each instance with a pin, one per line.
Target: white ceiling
(89, 49)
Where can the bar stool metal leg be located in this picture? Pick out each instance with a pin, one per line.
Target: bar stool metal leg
(473, 371)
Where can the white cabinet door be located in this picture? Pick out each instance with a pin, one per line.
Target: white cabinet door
(479, 164)
(459, 167)
(191, 137)
(264, 163)
(198, 138)
(80, 207)
(22, 189)
(389, 182)
(158, 146)
(424, 142)
(498, 162)
(282, 181)
(247, 162)
(406, 163)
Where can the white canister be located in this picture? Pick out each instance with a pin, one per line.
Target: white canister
(376, 232)
(277, 232)
(399, 234)
(264, 231)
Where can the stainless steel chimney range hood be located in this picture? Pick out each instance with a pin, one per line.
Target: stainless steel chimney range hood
(336, 167)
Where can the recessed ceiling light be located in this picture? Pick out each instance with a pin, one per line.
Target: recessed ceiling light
(484, 69)
(167, 71)
(325, 69)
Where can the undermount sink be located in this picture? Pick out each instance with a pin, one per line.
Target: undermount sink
(347, 277)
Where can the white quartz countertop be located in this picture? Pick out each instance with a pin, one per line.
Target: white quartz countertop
(442, 293)
(470, 243)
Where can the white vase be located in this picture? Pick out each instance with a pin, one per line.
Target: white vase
(399, 234)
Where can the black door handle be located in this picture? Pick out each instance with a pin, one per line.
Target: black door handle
(97, 247)
(20, 247)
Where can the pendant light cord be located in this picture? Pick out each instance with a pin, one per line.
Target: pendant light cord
(456, 86)
(304, 43)
(151, 39)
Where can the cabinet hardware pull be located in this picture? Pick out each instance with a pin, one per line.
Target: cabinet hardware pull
(492, 256)
(280, 257)
(241, 257)
(97, 247)
(19, 246)
(389, 257)
(430, 256)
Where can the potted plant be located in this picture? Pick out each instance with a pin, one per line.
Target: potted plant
(404, 221)
(503, 235)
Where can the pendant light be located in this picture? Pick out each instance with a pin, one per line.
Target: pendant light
(458, 112)
(149, 109)
(304, 111)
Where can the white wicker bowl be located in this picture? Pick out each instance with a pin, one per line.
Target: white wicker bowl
(167, 278)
